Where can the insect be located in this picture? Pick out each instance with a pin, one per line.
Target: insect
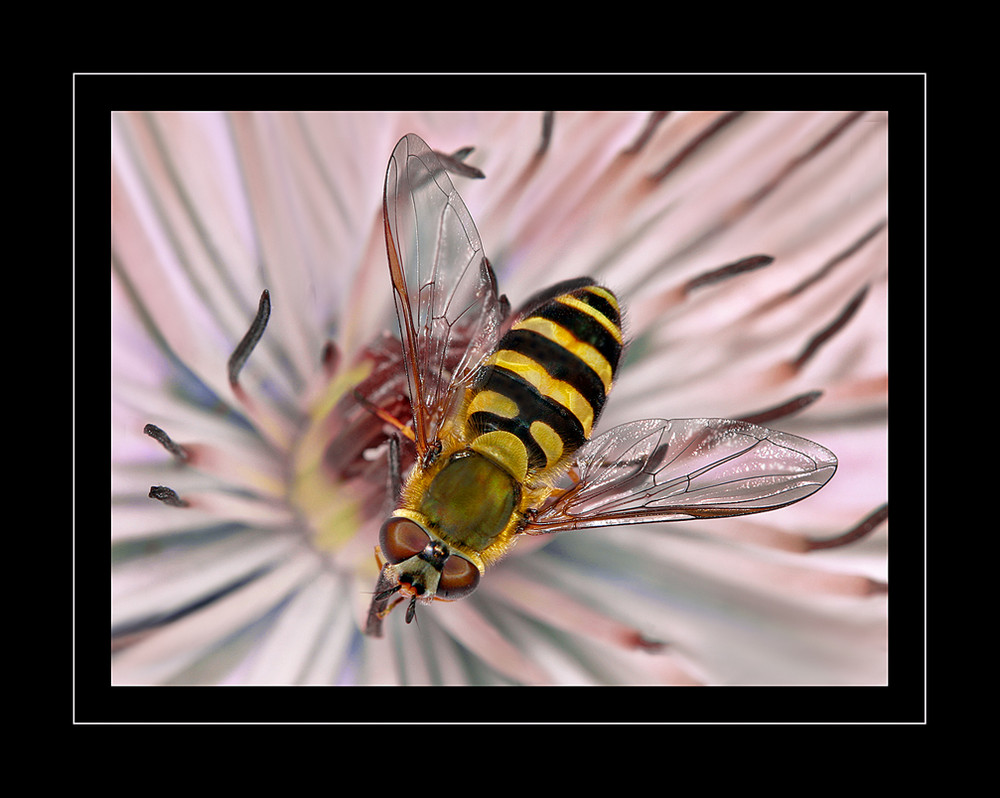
(504, 406)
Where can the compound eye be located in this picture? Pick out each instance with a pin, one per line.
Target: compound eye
(401, 539)
(458, 578)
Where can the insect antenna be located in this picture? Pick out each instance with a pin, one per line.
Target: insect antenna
(382, 595)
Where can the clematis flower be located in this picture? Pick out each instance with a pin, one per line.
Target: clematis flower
(251, 306)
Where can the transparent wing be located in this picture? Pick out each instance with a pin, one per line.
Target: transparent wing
(444, 288)
(657, 470)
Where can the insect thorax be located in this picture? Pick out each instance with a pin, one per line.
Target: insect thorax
(470, 501)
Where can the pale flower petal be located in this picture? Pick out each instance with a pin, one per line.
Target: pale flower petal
(263, 572)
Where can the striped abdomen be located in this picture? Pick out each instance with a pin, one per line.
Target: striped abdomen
(537, 398)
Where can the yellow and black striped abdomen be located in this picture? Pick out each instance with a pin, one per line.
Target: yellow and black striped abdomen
(537, 398)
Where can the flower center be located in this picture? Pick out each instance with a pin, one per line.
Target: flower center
(341, 474)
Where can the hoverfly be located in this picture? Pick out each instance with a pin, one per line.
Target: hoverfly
(504, 405)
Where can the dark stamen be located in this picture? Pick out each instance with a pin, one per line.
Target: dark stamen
(717, 125)
(868, 525)
(652, 122)
(785, 409)
(827, 333)
(639, 641)
(167, 496)
(253, 335)
(548, 119)
(840, 257)
(330, 358)
(727, 271)
(454, 163)
(804, 157)
(159, 435)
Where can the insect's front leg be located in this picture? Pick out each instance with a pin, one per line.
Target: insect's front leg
(432, 453)
(394, 487)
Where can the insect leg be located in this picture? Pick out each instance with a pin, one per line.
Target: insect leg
(386, 417)
(395, 476)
